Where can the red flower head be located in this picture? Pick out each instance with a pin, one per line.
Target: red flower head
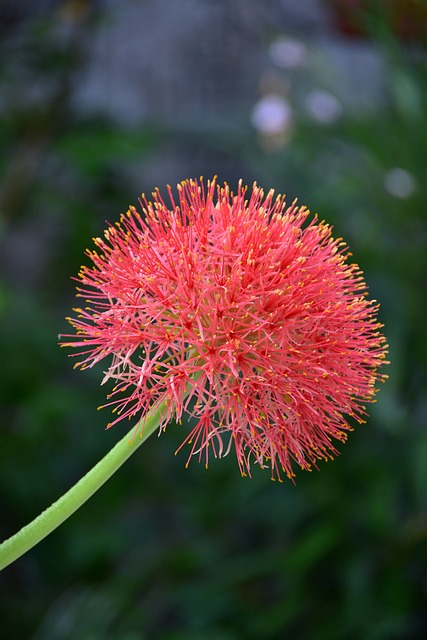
(236, 310)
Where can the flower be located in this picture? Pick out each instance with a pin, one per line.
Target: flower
(323, 106)
(240, 312)
(288, 53)
(272, 115)
(399, 183)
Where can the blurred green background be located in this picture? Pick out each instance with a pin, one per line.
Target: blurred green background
(100, 101)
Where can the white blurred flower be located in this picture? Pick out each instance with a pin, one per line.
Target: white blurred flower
(399, 183)
(288, 53)
(323, 106)
(272, 115)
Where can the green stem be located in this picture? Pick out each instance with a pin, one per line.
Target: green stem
(46, 522)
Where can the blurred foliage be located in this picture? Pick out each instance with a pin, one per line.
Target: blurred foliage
(175, 554)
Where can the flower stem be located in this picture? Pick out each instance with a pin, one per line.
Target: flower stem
(48, 520)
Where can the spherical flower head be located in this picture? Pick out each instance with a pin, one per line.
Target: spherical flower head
(239, 311)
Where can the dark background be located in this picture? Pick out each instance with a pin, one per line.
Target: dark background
(101, 101)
